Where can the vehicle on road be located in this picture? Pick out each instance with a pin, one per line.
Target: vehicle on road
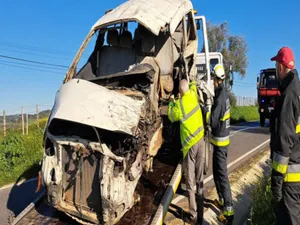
(267, 93)
(106, 125)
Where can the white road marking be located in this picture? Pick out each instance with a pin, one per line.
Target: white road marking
(243, 129)
(206, 180)
(18, 184)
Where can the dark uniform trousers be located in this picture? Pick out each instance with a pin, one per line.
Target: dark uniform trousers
(220, 175)
(287, 210)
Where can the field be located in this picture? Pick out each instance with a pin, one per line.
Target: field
(241, 114)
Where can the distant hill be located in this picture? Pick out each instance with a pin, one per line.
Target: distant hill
(18, 117)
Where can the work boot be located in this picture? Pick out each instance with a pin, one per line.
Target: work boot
(227, 220)
(227, 216)
(219, 204)
(189, 220)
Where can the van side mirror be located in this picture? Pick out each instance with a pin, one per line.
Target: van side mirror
(257, 79)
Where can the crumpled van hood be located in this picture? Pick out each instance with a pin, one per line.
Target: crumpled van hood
(87, 103)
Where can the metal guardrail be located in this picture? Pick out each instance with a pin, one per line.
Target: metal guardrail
(168, 196)
(28, 208)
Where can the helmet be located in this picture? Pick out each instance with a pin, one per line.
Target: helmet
(219, 71)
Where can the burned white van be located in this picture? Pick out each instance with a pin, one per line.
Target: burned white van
(106, 124)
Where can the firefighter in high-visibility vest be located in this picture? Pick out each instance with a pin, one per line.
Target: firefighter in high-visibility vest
(187, 111)
(219, 121)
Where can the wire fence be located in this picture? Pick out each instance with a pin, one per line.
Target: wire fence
(246, 101)
(23, 120)
(26, 119)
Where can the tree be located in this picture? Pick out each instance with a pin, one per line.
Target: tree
(233, 48)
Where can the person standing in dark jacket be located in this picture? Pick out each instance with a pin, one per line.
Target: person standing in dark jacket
(285, 178)
(219, 120)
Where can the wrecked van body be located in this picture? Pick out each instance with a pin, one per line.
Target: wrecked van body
(106, 123)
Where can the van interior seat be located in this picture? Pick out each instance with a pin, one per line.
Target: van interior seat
(113, 37)
(126, 40)
(117, 58)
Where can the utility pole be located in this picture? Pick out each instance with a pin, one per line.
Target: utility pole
(23, 128)
(37, 116)
(27, 124)
(4, 123)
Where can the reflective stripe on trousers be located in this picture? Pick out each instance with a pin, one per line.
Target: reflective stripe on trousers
(228, 211)
(220, 141)
(298, 126)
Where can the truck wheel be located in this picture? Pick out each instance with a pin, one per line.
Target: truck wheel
(262, 120)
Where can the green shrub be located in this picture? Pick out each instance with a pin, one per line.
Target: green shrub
(20, 154)
(261, 210)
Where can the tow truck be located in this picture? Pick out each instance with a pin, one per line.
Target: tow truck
(106, 125)
(267, 93)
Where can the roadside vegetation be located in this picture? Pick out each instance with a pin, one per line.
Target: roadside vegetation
(20, 154)
(261, 210)
(241, 114)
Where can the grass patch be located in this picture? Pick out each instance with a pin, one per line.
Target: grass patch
(241, 114)
(20, 154)
(261, 210)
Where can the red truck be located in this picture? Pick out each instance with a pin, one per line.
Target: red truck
(267, 93)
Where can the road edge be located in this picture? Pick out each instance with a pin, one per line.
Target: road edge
(24, 181)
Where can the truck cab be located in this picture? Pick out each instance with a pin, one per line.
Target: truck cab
(214, 59)
(267, 93)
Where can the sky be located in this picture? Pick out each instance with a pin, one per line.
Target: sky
(52, 32)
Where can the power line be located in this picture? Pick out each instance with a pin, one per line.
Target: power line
(30, 53)
(239, 82)
(244, 86)
(31, 61)
(35, 48)
(47, 71)
(30, 65)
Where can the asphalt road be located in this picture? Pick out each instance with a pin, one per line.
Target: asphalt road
(245, 137)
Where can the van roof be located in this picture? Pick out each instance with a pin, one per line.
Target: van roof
(152, 14)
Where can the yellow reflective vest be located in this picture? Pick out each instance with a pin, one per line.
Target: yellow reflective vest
(188, 112)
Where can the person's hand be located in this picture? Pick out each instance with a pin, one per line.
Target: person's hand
(172, 98)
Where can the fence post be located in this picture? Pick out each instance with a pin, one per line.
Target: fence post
(26, 123)
(37, 116)
(4, 123)
(23, 128)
